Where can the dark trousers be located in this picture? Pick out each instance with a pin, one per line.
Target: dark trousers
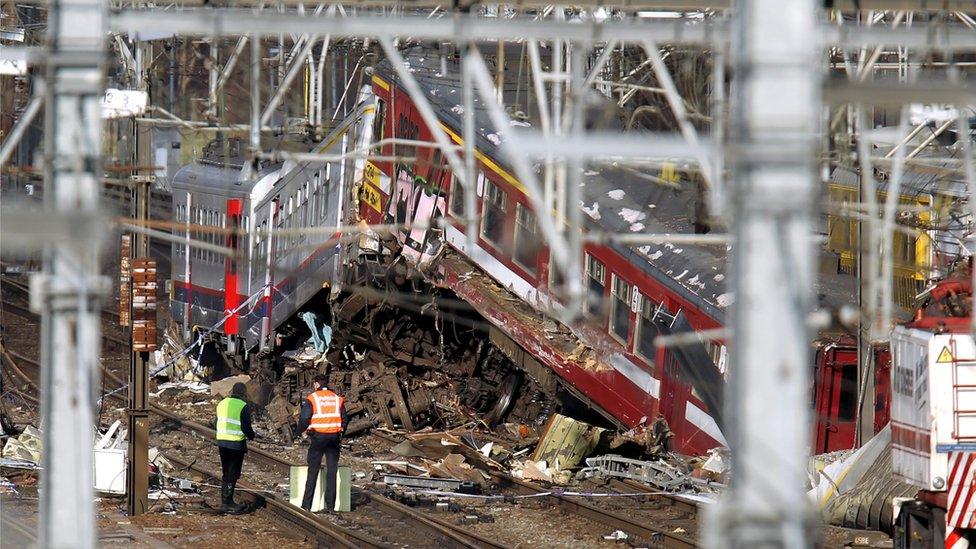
(231, 463)
(328, 444)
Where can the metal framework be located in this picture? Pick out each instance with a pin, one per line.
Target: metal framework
(763, 164)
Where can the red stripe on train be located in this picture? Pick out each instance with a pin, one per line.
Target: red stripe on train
(231, 297)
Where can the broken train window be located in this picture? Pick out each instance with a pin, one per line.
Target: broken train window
(646, 329)
(526, 237)
(620, 309)
(493, 216)
(596, 275)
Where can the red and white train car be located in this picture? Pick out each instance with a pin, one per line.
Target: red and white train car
(609, 360)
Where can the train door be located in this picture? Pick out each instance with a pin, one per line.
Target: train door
(882, 387)
(835, 399)
(675, 393)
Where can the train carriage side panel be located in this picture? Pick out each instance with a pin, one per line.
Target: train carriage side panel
(305, 195)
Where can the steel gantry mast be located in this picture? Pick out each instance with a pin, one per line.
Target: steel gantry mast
(774, 130)
(69, 291)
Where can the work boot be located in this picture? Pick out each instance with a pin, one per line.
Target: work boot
(229, 507)
(226, 497)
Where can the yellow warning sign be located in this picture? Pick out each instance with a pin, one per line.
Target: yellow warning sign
(371, 196)
(945, 355)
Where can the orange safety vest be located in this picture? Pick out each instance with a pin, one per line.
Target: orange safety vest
(326, 412)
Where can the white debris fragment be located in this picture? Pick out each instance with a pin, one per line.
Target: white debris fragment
(616, 194)
(725, 299)
(682, 275)
(457, 109)
(493, 137)
(644, 250)
(616, 535)
(719, 277)
(632, 216)
(657, 254)
(637, 227)
(693, 280)
(678, 250)
(590, 173)
(593, 211)
(433, 91)
(652, 205)
(519, 123)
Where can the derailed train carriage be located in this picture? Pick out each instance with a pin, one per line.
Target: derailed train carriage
(609, 359)
(264, 280)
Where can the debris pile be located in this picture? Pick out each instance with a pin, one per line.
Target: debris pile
(23, 451)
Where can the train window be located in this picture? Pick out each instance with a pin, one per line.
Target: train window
(596, 275)
(379, 120)
(457, 193)
(526, 237)
(620, 309)
(847, 406)
(493, 216)
(305, 221)
(646, 330)
(325, 197)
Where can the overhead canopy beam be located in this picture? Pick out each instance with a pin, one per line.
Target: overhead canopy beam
(931, 6)
(237, 22)
(880, 92)
(233, 22)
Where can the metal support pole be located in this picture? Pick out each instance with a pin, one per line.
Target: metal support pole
(69, 291)
(137, 474)
(775, 128)
(10, 143)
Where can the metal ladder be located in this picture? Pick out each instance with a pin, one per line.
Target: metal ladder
(959, 390)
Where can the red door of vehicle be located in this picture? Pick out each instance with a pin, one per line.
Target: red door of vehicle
(835, 407)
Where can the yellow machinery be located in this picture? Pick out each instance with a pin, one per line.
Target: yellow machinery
(913, 255)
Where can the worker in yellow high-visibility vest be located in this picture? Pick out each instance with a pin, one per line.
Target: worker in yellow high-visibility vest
(233, 431)
(323, 416)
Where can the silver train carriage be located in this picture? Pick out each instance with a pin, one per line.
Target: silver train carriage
(285, 270)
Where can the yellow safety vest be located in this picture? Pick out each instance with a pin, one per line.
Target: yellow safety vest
(229, 419)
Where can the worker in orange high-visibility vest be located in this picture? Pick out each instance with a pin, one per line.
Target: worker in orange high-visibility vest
(323, 416)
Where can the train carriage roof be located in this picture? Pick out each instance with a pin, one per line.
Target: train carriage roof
(616, 198)
(221, 171)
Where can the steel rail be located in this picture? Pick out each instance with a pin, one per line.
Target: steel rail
(459, 536)
(585, 510)
(28, 314)
(627, 485)
(8, 522)
(643, 531)
(321, 531)
(7, 280)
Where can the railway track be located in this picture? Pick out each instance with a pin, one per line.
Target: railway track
(27, 314)
(315, 529)
(376, 517)
(654, 536)
(24, 289)
(377, 522)
(379, 512)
